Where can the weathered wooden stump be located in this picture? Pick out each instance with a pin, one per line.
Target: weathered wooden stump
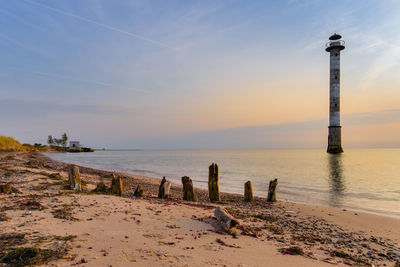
(213, 186)
(101, 187)
(225, 219)
(116, 185)
(163, 190)
(248, 192)
(188, 190)
(138, 191)
(74, 179)
(272, 190)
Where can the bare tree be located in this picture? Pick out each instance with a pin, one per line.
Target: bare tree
(64, 139)
(50, 140)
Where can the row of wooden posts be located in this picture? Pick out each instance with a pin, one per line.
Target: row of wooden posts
(75, 183)
(213, 188)
(165, 186)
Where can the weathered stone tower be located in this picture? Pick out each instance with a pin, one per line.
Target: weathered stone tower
(334, 46)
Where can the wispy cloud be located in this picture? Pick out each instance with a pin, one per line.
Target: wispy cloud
(388, 58)
(39, 108)
(92, 82)
(58, 76)
(31, 49)
(105, 26)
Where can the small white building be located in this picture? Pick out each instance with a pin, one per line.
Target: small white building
(74, 145)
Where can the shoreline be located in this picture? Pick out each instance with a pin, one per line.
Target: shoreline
(321, 204)
(228, 198)
(183, 233)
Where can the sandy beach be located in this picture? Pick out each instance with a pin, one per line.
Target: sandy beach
(65, 228)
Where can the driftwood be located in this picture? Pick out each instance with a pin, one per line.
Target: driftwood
(138, 191)
(163, 190)
(272, 190)
(248, 192)
(213, 186)
(225, 220)
(74, 179)
(116, 185)
(188, 191)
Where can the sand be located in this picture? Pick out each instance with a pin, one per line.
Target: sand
(105, 230)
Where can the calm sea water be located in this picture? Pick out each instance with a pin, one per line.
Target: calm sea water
(359, 179)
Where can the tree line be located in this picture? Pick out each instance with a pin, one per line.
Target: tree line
(52, 141)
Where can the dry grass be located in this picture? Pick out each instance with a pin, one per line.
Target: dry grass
(10, 144)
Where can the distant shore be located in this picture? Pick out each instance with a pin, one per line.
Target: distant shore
(268, 232)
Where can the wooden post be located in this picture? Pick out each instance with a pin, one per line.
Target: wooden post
(74, 179)
(226, 220)
(272, 190)
(138, 192)
(188, 191)
(163, 190)
(116, 185)
(248, 192)
(101, 187)
(213, 186)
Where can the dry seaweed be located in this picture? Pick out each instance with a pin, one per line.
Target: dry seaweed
(267, 217)
(8, 189)
(29, 256)
(65, 238)
(275, 229)
(30, 204)
(3, 217)
(344, 255)
(64, 213)
(291, 251)
(9, 240)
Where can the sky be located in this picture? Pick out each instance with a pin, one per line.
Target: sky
(198, 74)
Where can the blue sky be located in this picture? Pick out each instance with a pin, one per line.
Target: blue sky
(149, 74)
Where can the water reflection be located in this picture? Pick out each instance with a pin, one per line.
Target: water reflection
(336, 179)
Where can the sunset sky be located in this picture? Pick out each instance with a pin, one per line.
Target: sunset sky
(198, 74)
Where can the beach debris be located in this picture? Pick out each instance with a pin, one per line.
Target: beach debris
(222, 243)
(188, 191)
(249, 231)
(248, 192)
(7, 188)
(226, 220)
(28, 256)
(29, 204)
(74, 179)
(347, 256)
(138, 191)
(3, 217)
(36, 164)
(213, 186)
(64, 213)
(266, 217)
(292, 251)
(116, 185)
(272, 190)
(165, 186)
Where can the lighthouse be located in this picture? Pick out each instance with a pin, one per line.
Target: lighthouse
(333, 47)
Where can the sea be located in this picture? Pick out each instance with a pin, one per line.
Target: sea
(359, 179)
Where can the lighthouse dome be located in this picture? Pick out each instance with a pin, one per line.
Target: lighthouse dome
(335, 37)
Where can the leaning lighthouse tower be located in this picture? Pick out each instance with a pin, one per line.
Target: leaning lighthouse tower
(334, 46)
